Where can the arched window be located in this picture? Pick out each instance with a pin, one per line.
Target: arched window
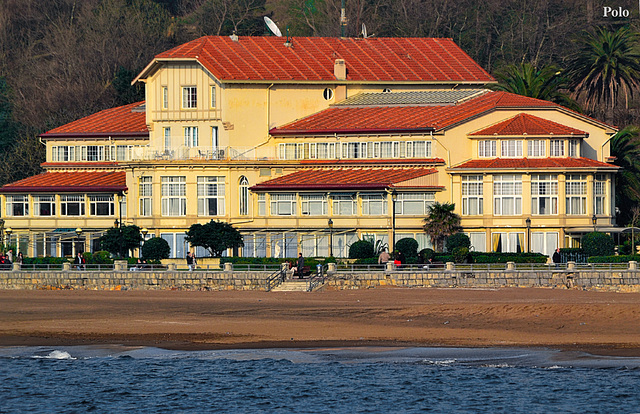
(244, 196)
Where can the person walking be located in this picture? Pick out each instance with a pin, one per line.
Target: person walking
(190, 261)
(557, 259)
(300, 266)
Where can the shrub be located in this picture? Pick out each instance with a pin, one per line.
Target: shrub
(361, 249)
(598, 244)
(427, 254)
(101, 257)
(614, 259)
(156, 248)
(408, 247)
(460, 254)
(458, 240)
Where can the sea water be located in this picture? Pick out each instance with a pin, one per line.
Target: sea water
(345, 380)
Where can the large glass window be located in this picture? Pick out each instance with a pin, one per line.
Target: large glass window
(576, 192)
(244, 196)
(574, 148)
(190, 136)
(544, 242)
(210, 196)
(487, 148)
(283, 204)
(145, 196)
(189, 97)
(511, 148)
(507, 242)
(507, 194)
(537, 148)
(17, 205)
(101, 205)
(314, 204)
(418, 149)
(167, 138)
(63, 153)
(600, 193)
(374, 204)
(177, 244)
(472, 195)
(344, 205)
(414, 203)
(174, 196)
(44, 205)
(544, 194)
(556, 148)
(72, 205)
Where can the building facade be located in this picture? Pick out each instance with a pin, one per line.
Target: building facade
(311, 144)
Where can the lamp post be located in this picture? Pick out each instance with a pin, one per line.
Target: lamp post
(594, 220)
(78, 233)
(330, 223)
(528, 222)
(144, 232)
(9, 230)
(394, 197)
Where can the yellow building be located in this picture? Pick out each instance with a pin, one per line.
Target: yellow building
(308, 145)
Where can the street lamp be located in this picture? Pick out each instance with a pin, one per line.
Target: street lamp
(330, 223)
(78, 233)
(394, 197)
(144, 232)
(528, 222)
(9, 230)
(594, 220)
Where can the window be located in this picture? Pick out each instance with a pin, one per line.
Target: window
(165, 97)
(93, 153)
(177, 244)
(167, 138)
(511, 148)
(574, 149)
(544, 194)
(17, 205)
(145, 196)
(210, 196)
(472, 192)
(478, 241)
(101, 205)
(418, 149)
(325, 150)
(213, 96)
(544, 242)
(314, 205)
(174, 196)
(537, 148)
(487, 148)
(189, 97)
(576, 192)
(507, 194)
(255, 245)
(123, 152)
(262, 204)
(72, 205)
(328, 94)
(63, 153)
(283, 204)
(244, 196)
(290, 151)
(374, 204)
(599, 193)
(414, 203)
(190, 136)
(556, 149)
(44, 205)
(344, 205)
(314, 245)
(507, 242)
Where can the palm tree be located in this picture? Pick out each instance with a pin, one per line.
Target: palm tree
(607, 63)
(625, 146)
(547, 83)
(440, 223)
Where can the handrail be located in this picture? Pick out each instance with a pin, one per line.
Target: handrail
(275, 279)
(318, 278)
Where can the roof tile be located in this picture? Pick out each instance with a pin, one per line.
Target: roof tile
(525, 124)
(56, 182)
(532, 163)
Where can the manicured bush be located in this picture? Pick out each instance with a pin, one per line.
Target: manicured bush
(479, 257)
(361, 249)
(614, 259)
(598, 244)
(100, 257)
(408, 247)
(458, 240)
(460, 254)
(156, 248)
(427, 254)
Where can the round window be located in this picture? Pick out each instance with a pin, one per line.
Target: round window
(328, 94)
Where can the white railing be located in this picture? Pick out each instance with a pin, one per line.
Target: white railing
(204, 153)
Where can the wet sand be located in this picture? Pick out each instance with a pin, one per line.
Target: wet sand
(597, 322)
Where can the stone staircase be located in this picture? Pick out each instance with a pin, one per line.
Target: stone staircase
(293, 285)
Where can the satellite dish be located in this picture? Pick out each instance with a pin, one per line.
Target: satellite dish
(364, 31)
(272, 26)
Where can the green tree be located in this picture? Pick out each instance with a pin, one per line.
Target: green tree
(215, 236)
(548, 83)
(458, 240)
(625, 146)
(362, 249)
(407, 246)
(156, 248)
(441, 222)
(606, 64)
(597, 244)
(121, 240)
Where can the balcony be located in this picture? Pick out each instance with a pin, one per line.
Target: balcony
(204, 153)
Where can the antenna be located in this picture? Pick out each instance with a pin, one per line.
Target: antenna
(272, 26)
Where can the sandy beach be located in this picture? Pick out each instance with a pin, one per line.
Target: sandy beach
(597, 322)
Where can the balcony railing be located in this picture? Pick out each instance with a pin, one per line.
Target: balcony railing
(204, 153)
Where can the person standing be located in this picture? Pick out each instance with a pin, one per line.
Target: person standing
(79, 261)
(384, 257)
(190, 261)
(300, 266)
(557, 259)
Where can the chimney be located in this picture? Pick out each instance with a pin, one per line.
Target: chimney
(340, 69)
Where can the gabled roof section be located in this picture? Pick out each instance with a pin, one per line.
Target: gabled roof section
(413, 98)
(376, 118)
(122, 121)
(344, 179)
(534, 163)
(70, 182)
(525, 124)
(311, 59)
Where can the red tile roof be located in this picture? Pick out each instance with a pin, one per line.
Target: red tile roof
(533, 163)
(378, 162)
(69, 182)
(525, 124)
(128, 120)
(369, 119)
(343, 179)
(312, 59)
